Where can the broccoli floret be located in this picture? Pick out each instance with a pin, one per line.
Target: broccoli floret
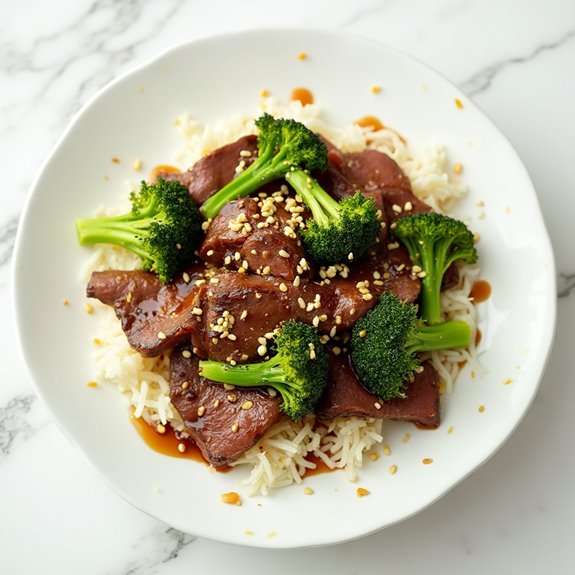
(282, 145)
(434, 241)
(386, 341)
(298, 370)
(338, 231)
(163, 228)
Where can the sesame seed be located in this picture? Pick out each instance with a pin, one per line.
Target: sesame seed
(197, 311)
(350, 256)
(312, 354)
(266, 271)
(375, 89)
(297, 281)
(283, 287)
(229, 387)
(396, 208)
(374, 456)
(336, 350)
(393, 469)
(262, 350)
(182, 447)
(137, 165)
(235, 427)
(244, 314)
(377, 405)
(247, 405)
(283, 254)
(161, 429)
(386, 449)
(406, 437)
(362, 492)
(232, 397)
(308, 491)
(161, 335)
(362, 333)
(426, 460)
(367, 297)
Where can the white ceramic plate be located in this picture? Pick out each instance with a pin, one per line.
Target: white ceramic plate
(216, 78)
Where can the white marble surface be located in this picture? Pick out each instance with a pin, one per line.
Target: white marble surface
(516, 60)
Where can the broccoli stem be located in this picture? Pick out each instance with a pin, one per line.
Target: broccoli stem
(448, 335)
(323, 207)
(266, 168)
(431, 285)
(249, 375)
(115, 230)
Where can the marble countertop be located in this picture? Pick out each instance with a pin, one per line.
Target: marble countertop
(515, 60)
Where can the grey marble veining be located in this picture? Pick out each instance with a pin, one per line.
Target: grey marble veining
(155, 549)
(482, 80)
(13, 423)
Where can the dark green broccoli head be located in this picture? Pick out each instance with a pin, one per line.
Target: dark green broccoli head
(164, 227)
(283, 144)
(291, 143)
(379, 344)
(297, 369)
(301, 372)
(434, 242)
(349, 235)
(386, 341)
(450, 239)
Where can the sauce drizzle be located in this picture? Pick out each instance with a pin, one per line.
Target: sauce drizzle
(480, 291)
(302, 95)
(165, 168)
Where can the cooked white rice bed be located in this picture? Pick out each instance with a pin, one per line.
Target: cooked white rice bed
(281, 457)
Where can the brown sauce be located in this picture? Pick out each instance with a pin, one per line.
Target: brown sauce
(480, 291)
(302, 95)
(162, 168)
(320, 466)
(375, 124)
(478, 336)
(166, 443)
(370, 122)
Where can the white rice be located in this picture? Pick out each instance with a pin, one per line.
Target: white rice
(281, 457)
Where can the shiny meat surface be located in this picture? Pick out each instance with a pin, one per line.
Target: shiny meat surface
(223, 424)
(215, 170)
(154, 316)
(248, 233)
(345, 396)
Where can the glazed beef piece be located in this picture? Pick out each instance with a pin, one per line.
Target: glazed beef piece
(345, 396)
(154, 316)
(236, 236)
(224, 424)
(375, 174)
(215, 170)
(240, 309)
